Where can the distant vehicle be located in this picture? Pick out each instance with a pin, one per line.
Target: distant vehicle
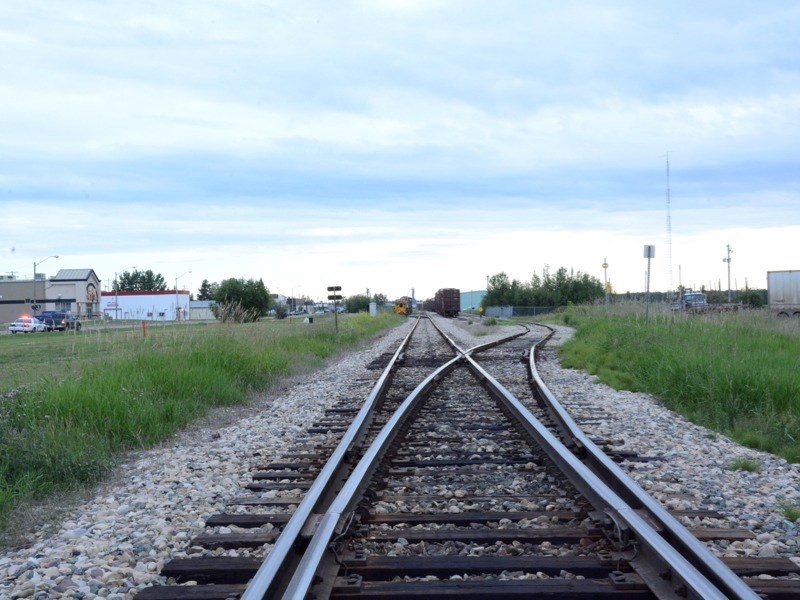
(26, 325)
(59, 320)
(783, 288)
(691, 301)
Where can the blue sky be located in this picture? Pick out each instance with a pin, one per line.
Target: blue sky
(390, 145)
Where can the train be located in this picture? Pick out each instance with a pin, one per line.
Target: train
(446, 302)
(403, 306)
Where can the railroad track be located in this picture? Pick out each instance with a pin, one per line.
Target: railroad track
(450, 481)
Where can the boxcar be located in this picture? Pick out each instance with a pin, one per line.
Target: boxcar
(448, 302)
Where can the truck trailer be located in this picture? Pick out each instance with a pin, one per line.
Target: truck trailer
(783, 289)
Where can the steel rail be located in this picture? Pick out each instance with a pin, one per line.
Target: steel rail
(600, 495)
(689, 546)
(349, 495)
(265, 579)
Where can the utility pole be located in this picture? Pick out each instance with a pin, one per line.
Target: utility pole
(669, 228)
(649, 253)
(728, 260)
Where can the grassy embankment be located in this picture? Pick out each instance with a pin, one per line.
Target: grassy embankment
(70, 404)
(736, 373)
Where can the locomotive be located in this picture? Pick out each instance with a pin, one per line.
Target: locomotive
(402, 306)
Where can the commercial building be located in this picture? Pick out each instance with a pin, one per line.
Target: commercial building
(164, 305)
(74, 290)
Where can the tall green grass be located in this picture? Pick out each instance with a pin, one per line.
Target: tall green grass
(93, 396)
(736, 373)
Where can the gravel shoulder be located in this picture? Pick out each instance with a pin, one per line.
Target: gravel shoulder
(115, 541)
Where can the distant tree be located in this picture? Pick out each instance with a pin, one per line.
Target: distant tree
(545, 290)
(207, 290)
(140, 281)
(357, 303)
(242, 301)
(380, 299)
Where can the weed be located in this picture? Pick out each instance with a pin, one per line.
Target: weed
(745, 464)
(790, 511)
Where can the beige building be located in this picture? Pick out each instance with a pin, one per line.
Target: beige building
(75, 290)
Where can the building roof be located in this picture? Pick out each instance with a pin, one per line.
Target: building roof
(74, 275)
(147, 293)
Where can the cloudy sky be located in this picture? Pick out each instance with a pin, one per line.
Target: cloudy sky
(395, 145)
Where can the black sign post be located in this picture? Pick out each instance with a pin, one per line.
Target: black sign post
(335, 297)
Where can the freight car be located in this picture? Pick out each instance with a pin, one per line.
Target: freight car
(447, 302)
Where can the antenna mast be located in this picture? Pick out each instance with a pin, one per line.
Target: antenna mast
(669, 230)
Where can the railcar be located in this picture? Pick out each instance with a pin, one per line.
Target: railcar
(447, 302)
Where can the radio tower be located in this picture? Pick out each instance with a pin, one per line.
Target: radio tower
(669, 231)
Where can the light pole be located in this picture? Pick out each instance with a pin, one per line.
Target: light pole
(728, 260)
(36, 264)
(116, 292)
(177, 301)
(605, 282)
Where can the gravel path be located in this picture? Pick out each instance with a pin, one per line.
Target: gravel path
(116, 542)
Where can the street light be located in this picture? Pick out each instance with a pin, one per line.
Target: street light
(177, 300)
(116, 292)
(36, 264)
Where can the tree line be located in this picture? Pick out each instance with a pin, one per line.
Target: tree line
(549, 289)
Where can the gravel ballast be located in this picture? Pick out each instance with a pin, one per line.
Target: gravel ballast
(115, 543)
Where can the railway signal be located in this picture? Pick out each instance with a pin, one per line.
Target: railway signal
(335, 297)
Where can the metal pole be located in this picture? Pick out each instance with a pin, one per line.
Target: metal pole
(605, 282)
(647, 293)
(35, 264)
(728, 260)
(177, 300)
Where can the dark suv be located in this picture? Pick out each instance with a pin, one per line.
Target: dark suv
(62, 321)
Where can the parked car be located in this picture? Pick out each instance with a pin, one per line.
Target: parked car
(26, 325)
(59, 320)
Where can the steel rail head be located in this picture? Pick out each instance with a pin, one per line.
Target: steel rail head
(601, 495)
(692, 548)
(348, 496)
(275, 562)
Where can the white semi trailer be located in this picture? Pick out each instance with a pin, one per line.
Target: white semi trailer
(783, 288)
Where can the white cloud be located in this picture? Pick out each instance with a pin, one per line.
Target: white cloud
(394, 144)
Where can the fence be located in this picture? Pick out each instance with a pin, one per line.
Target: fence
(506, 312)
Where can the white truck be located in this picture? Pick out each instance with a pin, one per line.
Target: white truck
(783, 288)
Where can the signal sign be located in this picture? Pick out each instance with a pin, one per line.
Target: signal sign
(334, 297)
(334, 288)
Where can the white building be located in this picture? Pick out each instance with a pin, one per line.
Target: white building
(165, 305)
